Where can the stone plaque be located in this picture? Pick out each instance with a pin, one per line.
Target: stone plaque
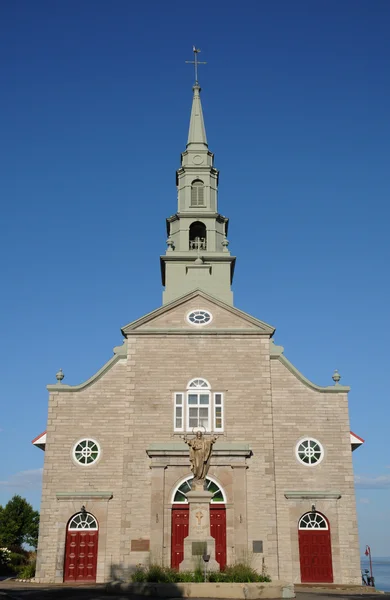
(199, 548)
(140, 545)
(257, 546)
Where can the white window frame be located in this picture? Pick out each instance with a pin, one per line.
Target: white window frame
(311, 440)
(215, 406)
(312, 520)
(198, 385)
(88, 440)
(176, 405)
(199, 392)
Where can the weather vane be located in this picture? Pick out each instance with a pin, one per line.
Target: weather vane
(196, 62)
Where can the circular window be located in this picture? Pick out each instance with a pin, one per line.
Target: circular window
(309, 452)
(86, 451)
(199, 317)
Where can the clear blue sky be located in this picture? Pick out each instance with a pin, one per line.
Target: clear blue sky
(94, 113)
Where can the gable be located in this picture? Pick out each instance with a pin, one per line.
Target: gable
(172, 318)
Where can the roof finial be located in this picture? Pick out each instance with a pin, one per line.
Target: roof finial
(196, 62)
(59, 376)
(336, 377)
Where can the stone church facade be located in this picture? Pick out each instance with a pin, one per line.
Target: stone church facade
(116, 468)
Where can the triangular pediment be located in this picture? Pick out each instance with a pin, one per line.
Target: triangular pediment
(172, 318)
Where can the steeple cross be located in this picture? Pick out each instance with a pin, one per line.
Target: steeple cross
(196, 62)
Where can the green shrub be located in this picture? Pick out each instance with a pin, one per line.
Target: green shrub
(186, 576)
(242, 573)
(239, 573)
(28, 571)
(139, 575)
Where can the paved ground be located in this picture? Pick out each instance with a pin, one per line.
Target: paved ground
(10, 590)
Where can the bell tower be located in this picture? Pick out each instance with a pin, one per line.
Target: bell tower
(197, 253)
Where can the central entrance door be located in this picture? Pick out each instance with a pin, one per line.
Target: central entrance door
(315, 550)
(81, 548)
(180, 518)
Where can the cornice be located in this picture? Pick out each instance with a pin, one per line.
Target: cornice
(120, 352)
(276, 352)
(228, 333)
(312, 495)
(178, 449)
(84, 495)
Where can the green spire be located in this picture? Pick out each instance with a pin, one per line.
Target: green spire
(197, 131)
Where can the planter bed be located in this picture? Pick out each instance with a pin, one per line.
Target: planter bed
(244, 591)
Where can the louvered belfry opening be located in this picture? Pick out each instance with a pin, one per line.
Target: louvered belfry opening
(197, 193)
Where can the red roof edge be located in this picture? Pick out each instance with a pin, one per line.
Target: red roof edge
(37, 438)
(357, 436)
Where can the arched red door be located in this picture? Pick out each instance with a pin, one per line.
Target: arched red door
(81, 548)
(315, 549)
(180, 517)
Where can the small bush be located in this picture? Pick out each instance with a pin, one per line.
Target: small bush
(139, 575)
(28, 571)
(242, 573)
(186, 576)
(239, 573)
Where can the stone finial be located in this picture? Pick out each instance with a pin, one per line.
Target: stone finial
(225, 244)
(170, 244)
(59, 376)
(336, 377)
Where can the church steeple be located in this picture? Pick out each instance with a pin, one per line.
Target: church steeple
(197, 255)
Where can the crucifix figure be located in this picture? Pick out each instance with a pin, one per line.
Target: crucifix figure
(199, 516)
(196, 62)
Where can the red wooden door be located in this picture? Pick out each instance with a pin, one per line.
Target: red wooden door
(180, 517)
(81, 555)
(218, 531)
(315, 553)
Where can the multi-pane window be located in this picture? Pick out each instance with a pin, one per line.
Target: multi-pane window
(179, 400)
(313, 520)
(309, 451)
(86, 451)
(218, 412)
(198, 408)
(197, 193)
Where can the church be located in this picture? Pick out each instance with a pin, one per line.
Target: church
(117, 469)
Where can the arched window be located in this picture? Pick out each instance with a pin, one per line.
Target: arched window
(197, 193)
(198, 236)
(313, 520)
(83, 520)
(211, 486)
(199, 407)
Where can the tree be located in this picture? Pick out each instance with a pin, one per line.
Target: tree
(19, 524)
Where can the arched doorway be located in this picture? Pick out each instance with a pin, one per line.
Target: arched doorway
(315, 550)
(180, 515)
(81, 548)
